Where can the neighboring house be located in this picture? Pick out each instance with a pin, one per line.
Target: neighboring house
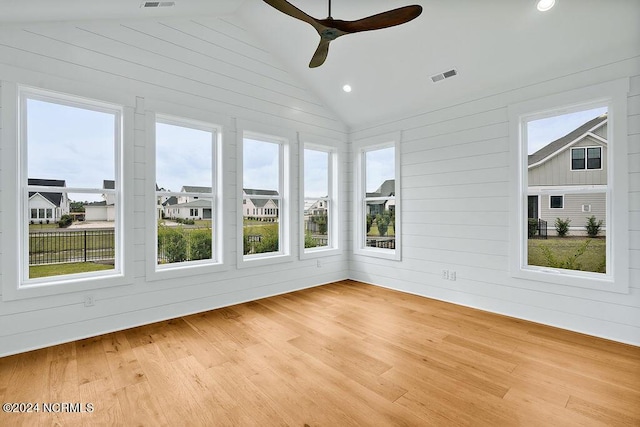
(387, 189)
(263, 209)
(105, 209)
(47, 206)
(188, 206)
(578, 159)
(313, 210)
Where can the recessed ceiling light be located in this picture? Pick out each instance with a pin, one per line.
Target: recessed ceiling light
(544, 5)
(346, 88)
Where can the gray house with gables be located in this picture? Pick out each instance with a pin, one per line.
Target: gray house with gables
(568, 178)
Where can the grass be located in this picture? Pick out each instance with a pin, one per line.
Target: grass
(39, 227)
(564, 249)
(373, 232)
(70, 268)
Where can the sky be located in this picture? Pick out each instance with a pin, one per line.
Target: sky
(380, 166)
(316, 173)
(542, 132)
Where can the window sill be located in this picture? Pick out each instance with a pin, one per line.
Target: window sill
(181, 270)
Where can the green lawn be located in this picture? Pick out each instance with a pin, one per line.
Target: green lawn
(70, 268)
(561, 252)
(373, 231)
(40, 227)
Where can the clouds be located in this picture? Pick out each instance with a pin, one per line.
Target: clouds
(316, 173)
(261, 165)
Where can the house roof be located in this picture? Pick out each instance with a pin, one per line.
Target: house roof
(55, 198)
(560, 143)
(200, 203)
(195, 189)
(260, 203)
(388, 188)
(173, 200)
(102, 203)
(255, 192)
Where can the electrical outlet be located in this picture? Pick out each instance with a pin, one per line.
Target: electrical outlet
(89, 301)
(452, 276)
(318, 264)
(445, 274)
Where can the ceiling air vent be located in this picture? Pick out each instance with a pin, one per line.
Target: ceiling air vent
(158, 4)
(445, 75)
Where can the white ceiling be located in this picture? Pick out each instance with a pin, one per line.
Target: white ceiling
(495, 45)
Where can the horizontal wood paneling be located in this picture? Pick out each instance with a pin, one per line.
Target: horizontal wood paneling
(198, 66)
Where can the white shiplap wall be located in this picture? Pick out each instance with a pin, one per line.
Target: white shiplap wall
(210, 65)
(455, 187)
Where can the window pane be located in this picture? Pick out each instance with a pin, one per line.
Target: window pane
(184, 158)
(316, 223)
(593, 158)
(577, 158)
(316, 203)
(184, 165)
(380, 170)
(380, 224)
(70, 143)
(261, 189)
(316, 173)
(70, 146)
(556, 202)
(567, 239)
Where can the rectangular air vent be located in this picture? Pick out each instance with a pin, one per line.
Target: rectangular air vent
(158, 4)
(441, 76)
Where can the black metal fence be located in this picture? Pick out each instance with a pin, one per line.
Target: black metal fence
(381, 242)
(537, 228)
(55, 247)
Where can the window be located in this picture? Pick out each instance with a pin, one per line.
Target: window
(70, 156)
(556, 202)
(377, 195)
(187, 190)
(319, 200)
(265, 183)
(593, 156)
(580, 130)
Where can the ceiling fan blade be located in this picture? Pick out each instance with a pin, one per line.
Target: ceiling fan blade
(289, 9)
(387, 19)
(320, 54)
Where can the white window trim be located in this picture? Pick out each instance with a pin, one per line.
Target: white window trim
(199, 119)
(614, 95)
(333, 231)
(359, 148)
(15, 285)
(286, 140)
(556, 195)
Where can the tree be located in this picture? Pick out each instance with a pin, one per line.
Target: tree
(77, 206)
(382, 221)
(593, 226)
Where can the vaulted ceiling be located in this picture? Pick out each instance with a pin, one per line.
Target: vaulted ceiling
(494, 45)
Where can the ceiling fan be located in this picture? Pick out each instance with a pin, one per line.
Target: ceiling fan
(330, 29)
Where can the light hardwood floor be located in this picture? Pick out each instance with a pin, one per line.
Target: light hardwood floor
(340, 354)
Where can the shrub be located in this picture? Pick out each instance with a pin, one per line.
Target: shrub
(309, 241)
(268, 242)
(562, 226)
(65, 221)
(172, 243)
(570, 262)
(593, 226)
(321, 221)
(200, 244)
(532, 227)
(382, 221)
(369, 222)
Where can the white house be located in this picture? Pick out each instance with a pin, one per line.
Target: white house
(105, 209)
(45, 206)
(261, 208)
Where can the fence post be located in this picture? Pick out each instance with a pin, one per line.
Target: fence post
(85, 245)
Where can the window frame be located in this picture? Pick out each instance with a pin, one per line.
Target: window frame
(551, 196)
(286, 141)
(586, 158)
(158, 111)
(360, 148)
(16, 284)
(312, 142)
(613, 94)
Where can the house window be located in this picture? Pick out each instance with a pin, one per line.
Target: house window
(586, 158)
(264, 185)
(556, 134)
(378, 202)
(70, 148)
(187, 165)
(319, 206)
(556, 202)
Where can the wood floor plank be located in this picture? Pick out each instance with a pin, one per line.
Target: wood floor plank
(342, 354)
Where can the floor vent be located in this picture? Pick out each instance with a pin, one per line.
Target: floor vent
(441, 76)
